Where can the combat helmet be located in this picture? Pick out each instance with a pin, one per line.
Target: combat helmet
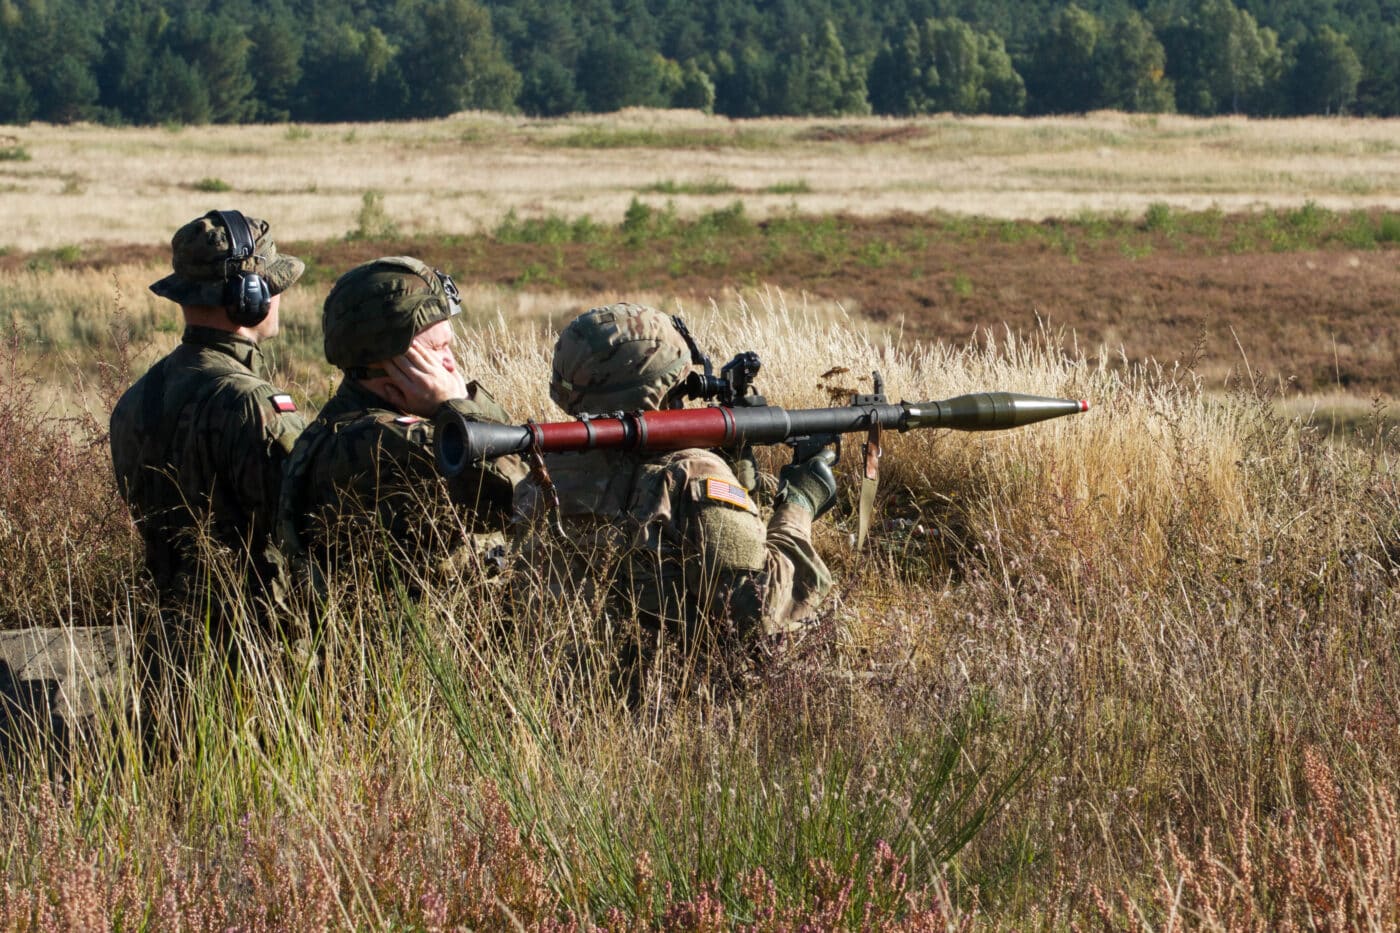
(374, 311)
(622, 357)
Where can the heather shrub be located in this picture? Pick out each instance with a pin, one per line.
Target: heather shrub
(70, 549)
(1323, 862)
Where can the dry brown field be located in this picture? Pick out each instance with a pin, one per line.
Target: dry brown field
(84, 184)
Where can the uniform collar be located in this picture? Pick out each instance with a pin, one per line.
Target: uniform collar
(241, 349)
(353, 398)
(361, 397)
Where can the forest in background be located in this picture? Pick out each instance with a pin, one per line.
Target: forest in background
(165, 62)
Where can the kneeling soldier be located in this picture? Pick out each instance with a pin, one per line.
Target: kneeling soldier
(363, 475)
(672, 542)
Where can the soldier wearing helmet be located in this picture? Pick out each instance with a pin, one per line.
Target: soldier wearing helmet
(672, 541)
(363, 471)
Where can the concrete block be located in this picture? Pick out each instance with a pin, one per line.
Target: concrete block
(53, 681)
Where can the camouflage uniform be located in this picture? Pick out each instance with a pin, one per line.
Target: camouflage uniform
(671, 539)
(198, 442)
(364, 472)
(675, 539)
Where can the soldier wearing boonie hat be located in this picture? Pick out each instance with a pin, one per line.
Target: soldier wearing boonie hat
(365, 466)
(203, 260)
(672, 541)
(198, 442)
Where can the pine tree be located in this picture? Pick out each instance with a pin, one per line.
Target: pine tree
(1378, 92)
(548, 88)
(217, 49)
(1131, 67)
(1326, 73)
(349, 74)
(946, 65)
(451, 61)
(952, 47)
(1062, 75)
(175, 92)
(68, 93)
(900, 80)
(614, 73)
(1221, 59)
(812, 75)
(275, 62)
(16, 99)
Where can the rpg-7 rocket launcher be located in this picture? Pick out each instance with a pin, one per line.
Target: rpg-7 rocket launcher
(462, 443)
(738, 418)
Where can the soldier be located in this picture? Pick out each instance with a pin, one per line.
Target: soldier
(363, 473)
(673, 541)
(198, 442)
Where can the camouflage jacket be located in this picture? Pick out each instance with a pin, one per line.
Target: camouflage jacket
(362, 469)
(201, 438)
(676, 539)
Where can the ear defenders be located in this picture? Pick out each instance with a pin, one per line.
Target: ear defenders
(247, 298)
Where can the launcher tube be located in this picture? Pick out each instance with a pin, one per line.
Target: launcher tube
(461, 443)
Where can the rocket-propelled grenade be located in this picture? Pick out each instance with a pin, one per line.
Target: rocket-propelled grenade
(462, 443)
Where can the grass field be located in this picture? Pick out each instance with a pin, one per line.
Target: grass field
(1137, 669)
(69, 186)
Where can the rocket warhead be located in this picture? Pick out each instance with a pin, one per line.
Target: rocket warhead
(990, 411)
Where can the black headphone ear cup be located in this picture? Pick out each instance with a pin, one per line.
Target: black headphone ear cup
(247, 299)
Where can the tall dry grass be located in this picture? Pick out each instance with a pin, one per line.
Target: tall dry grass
(1135, 669)
(1324, 862)
(68, 322)
(66, 536)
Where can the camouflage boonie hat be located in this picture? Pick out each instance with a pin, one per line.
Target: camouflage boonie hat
(199, 254)
(622, 357)
(376, 309)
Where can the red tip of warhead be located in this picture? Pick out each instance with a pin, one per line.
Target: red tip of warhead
(1084, 404)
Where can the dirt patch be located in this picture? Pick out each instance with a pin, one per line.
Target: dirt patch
(92, 256)
(1310, 320)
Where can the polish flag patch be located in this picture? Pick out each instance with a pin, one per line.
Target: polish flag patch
(407, 419)
(284, 403)
(724, 491)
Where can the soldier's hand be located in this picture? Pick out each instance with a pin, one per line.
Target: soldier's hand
(420, 381)
(809, 483)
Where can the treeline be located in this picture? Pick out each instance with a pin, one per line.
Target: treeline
(163, 61)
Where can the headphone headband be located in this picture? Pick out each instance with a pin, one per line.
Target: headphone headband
(247, 297)
(240, 234)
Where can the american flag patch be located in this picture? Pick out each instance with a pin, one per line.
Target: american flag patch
(722, 491)
(284, 403)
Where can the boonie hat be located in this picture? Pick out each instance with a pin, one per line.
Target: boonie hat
(199, 254)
